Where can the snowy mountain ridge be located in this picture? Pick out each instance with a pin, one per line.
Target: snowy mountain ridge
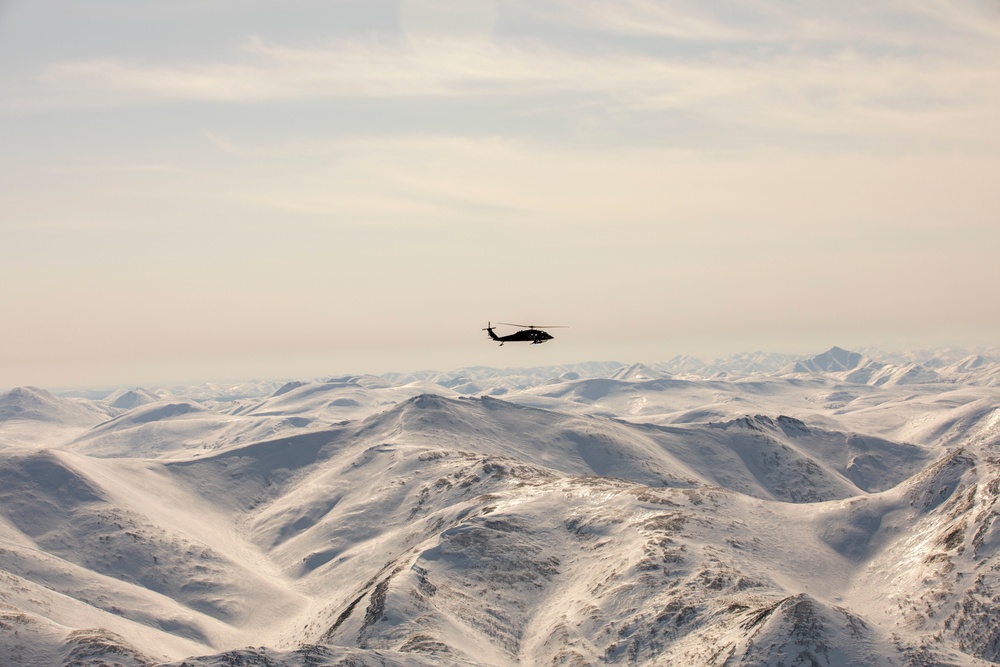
(598, 513)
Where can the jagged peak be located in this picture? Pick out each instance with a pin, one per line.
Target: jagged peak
(35, 404)
(637, 372)
(837, 358)
(428, 401)
(970, 363)
(127, 399)
(27, 393)
(761, 422)
(287, 387)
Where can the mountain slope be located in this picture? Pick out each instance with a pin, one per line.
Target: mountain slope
(34, 404)
(772, 520)
(33, 417)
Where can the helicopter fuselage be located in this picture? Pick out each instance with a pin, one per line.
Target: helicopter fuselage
(531, 335)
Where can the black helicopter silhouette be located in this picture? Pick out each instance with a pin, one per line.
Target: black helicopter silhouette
(532, 333)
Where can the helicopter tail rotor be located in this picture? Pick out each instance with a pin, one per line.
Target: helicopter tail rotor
(489, 329)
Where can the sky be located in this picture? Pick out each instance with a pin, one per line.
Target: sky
(223, 189)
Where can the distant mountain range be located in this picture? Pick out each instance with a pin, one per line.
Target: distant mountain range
(766, 510)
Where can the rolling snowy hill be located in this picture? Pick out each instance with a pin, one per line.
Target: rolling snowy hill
(760, 510)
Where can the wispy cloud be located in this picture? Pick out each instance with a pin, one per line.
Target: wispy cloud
(841, 92)
(347, 69)
(441, 181)
(929, 25)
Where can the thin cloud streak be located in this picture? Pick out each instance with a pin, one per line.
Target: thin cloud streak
(844, 93)
(437, 181)
(919, 24)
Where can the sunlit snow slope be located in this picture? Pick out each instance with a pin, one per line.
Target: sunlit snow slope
(760, 510)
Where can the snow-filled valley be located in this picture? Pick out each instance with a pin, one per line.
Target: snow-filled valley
(759, 510)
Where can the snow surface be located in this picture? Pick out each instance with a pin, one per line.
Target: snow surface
(757, 510)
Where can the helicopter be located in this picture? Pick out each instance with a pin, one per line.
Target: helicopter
(530, 333)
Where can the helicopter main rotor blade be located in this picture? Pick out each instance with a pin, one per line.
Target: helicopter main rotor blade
(535, 326)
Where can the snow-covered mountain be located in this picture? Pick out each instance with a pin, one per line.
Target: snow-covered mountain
(126, 399)
(832, 361)
(39, 405)
(572, 515)
(33, 416)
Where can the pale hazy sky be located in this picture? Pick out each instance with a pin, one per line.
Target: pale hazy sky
(202, 189)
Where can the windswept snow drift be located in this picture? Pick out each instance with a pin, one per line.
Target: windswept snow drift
(761, 510)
